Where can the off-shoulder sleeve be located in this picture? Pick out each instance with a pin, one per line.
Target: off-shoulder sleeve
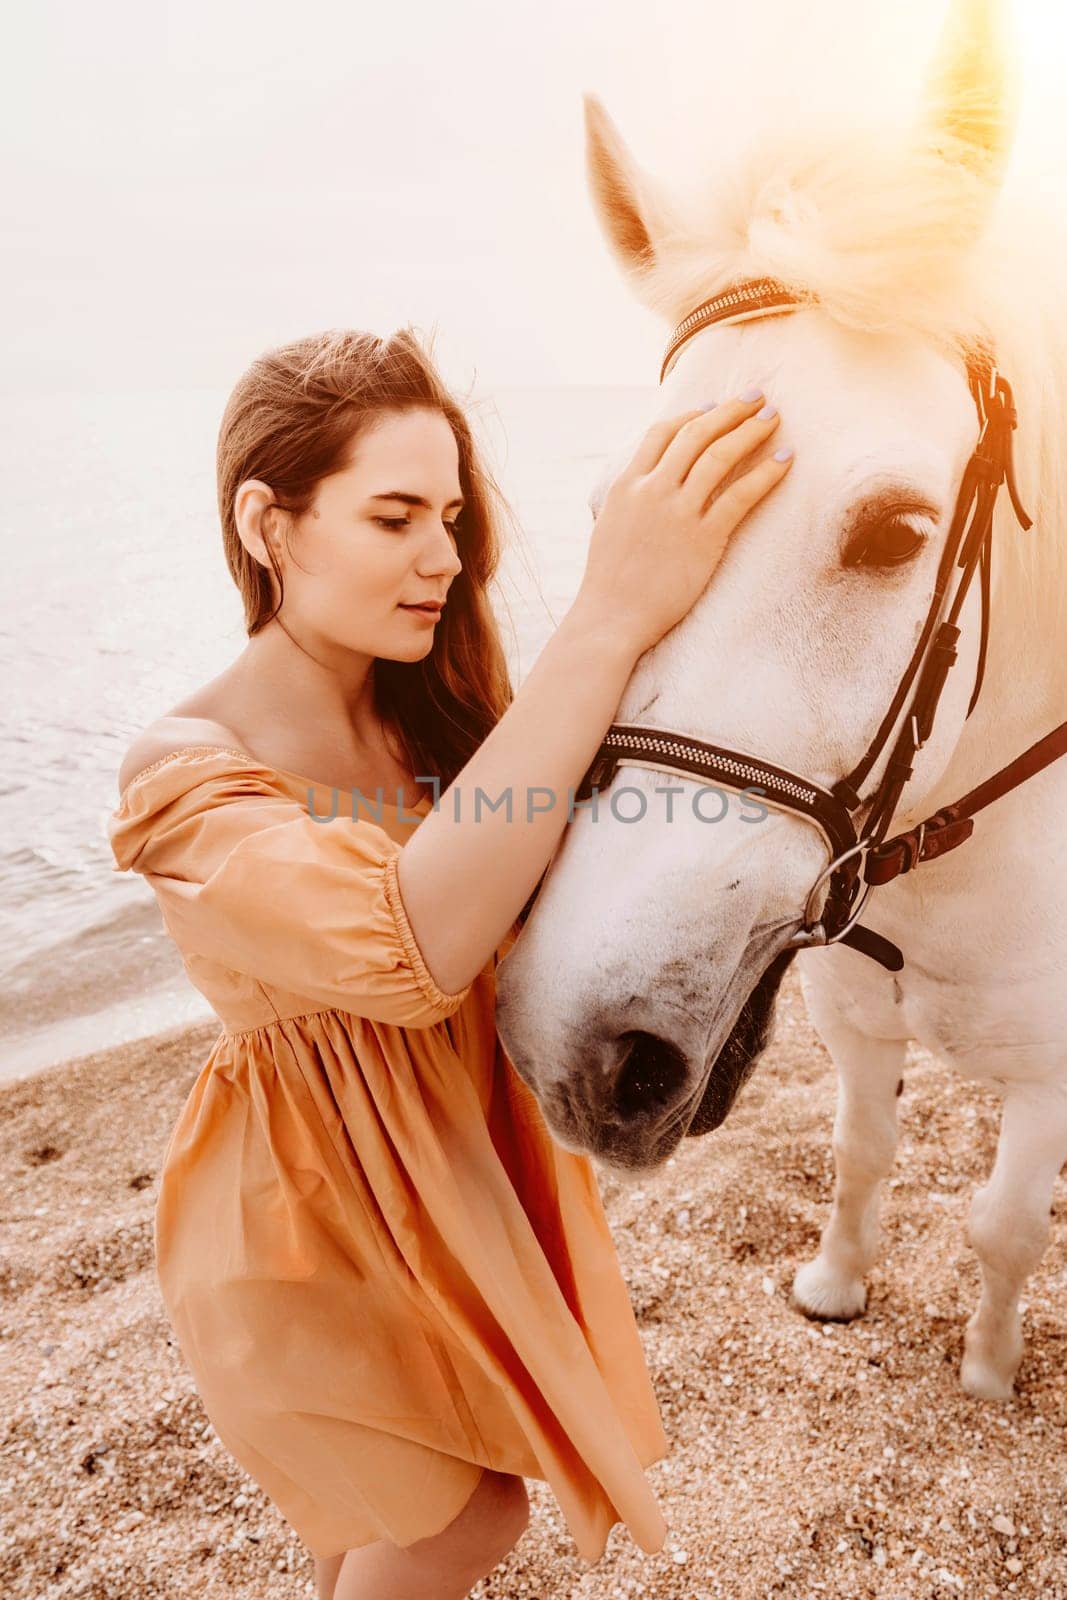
(247, 877)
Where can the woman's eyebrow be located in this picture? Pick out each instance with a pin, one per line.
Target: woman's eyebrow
(414, 499)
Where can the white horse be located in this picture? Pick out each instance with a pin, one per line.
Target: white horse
(639, 994)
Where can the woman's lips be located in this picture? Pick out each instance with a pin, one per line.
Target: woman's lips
(432, 613)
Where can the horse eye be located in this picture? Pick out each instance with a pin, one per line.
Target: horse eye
(884, 544)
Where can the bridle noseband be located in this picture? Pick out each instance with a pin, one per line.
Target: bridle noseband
(858, 860)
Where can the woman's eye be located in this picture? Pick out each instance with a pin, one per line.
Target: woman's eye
(885, 544)
(405, 522)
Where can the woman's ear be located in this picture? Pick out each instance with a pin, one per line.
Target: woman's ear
(254, 511)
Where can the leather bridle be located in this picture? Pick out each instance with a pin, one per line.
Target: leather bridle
(862, 856)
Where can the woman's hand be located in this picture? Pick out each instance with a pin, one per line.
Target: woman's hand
(663, 527)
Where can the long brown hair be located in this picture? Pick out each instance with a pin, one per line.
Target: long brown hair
(290, 422)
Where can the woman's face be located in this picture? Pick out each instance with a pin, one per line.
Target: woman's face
(379, 536)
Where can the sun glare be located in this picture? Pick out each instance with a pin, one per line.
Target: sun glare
(1041, 26)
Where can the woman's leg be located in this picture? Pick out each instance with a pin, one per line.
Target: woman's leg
(327, 1570)
(446, 1565)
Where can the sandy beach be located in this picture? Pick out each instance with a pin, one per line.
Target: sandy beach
(806, 1461)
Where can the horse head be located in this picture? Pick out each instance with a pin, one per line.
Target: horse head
(640, 993)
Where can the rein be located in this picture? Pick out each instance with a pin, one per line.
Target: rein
(862, 858)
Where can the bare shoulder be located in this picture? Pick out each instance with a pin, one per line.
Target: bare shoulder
(166, 736)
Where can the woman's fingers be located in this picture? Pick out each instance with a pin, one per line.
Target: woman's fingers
(656, 441)
(730, 507)
(700, 433)
(673, 444)
(722, 455)
(666, 520)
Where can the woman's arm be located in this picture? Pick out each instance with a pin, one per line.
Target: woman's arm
(660, 534)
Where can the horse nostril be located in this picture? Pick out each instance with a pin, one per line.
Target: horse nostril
(650, 1078)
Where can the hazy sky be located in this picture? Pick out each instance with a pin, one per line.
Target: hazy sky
(188, 184)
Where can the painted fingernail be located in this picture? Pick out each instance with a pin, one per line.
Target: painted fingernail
(710, 406)
(748, 395)
(784, 453)
(767, 412)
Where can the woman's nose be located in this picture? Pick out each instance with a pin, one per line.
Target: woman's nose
(445, 559)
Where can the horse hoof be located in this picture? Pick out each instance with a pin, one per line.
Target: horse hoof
(825, 1298)
(991, 1357)
(981, 1382)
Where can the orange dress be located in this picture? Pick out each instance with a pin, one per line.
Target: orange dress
(383, 1272)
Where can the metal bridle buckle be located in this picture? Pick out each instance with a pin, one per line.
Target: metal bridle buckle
(814, 933)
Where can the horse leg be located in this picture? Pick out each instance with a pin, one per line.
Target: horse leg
(865, 1141)
(1009, 1226)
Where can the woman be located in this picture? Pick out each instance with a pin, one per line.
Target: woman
(396, 1293)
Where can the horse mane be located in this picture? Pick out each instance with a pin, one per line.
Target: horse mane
(896, 233)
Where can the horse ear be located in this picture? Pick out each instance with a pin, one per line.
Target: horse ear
(630, 213)
(971, 93)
